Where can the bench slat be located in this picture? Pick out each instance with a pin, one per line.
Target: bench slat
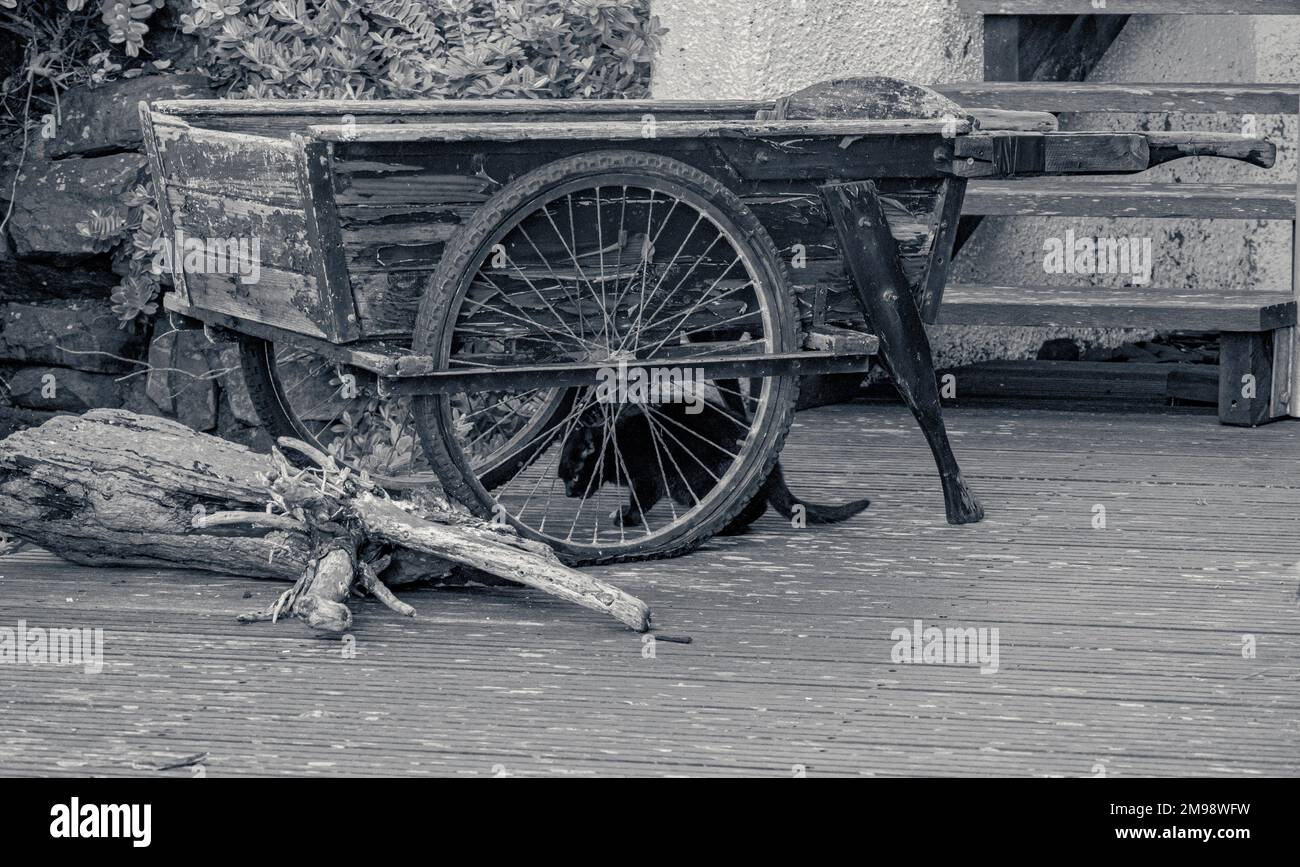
(1073, 96)
(971, 304)
(1076, 197)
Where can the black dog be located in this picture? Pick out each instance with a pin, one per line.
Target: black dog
(693, 450)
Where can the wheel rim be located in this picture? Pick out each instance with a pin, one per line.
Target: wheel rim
(618, 266)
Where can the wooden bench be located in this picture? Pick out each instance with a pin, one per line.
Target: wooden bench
(1259, 371)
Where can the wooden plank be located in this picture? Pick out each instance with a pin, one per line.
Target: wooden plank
(1293, 379)
(1132, 7)
(402, 177)
(967, 304)
(1026, 153)
(997, 153)
(281, 298)
(387, 301)
(1002, 119)
(845, 341)
(985, 154)
(1246, 395)
(315, 172)
(281, 231)
(225, 163)
(283, 118)
(1166, 146)
(284, 125)
(1086, 381)
(158, 177)
(1291, 372)
(437, 108)
(405, 175)
(247, 188)
(1091, 198)
(820, 158)
(1089, 96)
(947, 220)
(1282, 399)
(632, 131)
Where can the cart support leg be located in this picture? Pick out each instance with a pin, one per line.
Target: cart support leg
(872, 260)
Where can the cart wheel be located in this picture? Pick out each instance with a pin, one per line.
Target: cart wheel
(337, 408)
(611, 256)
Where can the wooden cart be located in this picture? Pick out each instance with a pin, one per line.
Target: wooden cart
(565, 309)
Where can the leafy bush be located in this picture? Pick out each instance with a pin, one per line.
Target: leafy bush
(125, 21)
(427, 48)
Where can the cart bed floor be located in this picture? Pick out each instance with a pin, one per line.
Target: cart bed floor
(1119, 648)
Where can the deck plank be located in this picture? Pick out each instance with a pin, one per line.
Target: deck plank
(1120, 649)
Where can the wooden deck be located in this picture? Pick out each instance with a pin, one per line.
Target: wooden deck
(1120, 648)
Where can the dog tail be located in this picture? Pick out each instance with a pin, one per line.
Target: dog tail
(779, 495)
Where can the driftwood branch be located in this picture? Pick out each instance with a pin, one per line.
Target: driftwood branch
(114, 488)
(500, 554)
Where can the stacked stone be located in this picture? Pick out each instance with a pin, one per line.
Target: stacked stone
(62, 347)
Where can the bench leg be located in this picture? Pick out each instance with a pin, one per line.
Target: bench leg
(1254, 376)
(872, 259)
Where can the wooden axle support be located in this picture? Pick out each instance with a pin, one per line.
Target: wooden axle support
(827, 350)
(871, 258)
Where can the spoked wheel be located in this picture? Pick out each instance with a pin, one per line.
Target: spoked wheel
(337, 408)
(609, 258)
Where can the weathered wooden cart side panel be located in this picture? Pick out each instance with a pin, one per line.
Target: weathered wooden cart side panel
(915, 212)
(399, 204)
(220, 189)
(240, 165)
(281, 231)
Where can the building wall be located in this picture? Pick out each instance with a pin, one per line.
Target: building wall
(732, 49)
(741, 49)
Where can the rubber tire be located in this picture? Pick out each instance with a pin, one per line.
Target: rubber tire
(468, 248)
(260, 382)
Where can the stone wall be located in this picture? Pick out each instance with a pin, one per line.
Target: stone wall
(62, 346)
